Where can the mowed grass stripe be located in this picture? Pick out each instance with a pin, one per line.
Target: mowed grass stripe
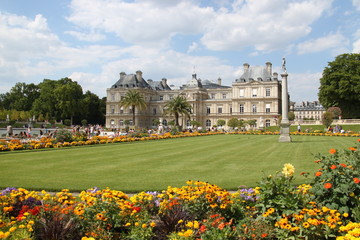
(225, 160)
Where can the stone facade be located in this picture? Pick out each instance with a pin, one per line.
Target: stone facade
(308, 111)
(255, 95)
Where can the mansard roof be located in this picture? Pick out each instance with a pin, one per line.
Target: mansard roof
(158, 85)
(194, 82)
(131, 81)
(207, 84)
(256, 73)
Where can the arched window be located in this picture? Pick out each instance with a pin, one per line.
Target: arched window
(208, 123)
(188, 123)
(164, 122)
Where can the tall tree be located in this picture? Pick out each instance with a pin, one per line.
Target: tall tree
(340, 85)
(177, 106)
(21, 97)
(46, 103)
(68, 95)
(133, 99)
(93, 107)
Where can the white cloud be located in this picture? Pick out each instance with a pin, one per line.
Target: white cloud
(149, 23)
(356, 4)
(304, 86)
(89, 37)
(331, 41)
(356, 46)
(193, 47)
(266, 25)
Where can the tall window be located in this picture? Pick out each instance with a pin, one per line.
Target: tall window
(122, 110)
(208, 110)
(121, 122)
(267, 123)
(254, 108)
(242, 92)
(164, 122)
(161, 97)
(267, 92)
(230, 109)
(213, 96)
(219, 109)
(208, 123)
(112, 109)
(112, 97)
(267, 107)
(241, 109)
(254, 92)
(224, 95)
(154, 111)
(188, 123)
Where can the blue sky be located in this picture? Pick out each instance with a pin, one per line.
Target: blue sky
(92, 41)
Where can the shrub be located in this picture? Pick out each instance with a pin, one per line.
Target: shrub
(63, 136)
(337, 183)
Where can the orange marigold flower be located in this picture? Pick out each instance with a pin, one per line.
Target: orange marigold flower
(318, 174)
(332, 151)
(327, 185)
(343, 165)
(333, 167)
(356, 180)
(264, 235)
(359, 140)
(352, 149)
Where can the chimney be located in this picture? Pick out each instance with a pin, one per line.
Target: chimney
(275, 75)
(139, 75)
(164, 81)
(246, 67)
(219, 81)
(269, 67)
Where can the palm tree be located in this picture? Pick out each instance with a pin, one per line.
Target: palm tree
(177, 106)
(133, 99)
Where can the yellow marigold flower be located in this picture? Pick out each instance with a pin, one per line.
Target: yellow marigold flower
(306, 225)
(190, 224)
(152, 224)
(127, 224)
(137, 224)
(144, 225)
(288, 169)
(345, 214)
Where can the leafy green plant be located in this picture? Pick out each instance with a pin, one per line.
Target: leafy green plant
(278, 194)
(337, 183)
(63, 136)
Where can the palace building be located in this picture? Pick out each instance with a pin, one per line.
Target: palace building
(255, 95)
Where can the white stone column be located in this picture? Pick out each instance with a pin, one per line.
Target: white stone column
(284, 124)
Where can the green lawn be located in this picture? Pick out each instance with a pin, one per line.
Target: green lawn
(226, 160)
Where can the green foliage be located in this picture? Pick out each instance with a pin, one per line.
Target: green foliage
(340, 85)
(156, 122)
(195, 123)
(291, 116)
(177, 106)
(67, 122)
(84, 122)
(220, 122)
(336, 111)
(233, 122)
(133, 99)
(278, 193)
(63, 136)
(327, 119)
(337, 183)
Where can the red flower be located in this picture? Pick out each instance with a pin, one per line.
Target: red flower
(359, 140)
(343, 165)
(136, 209)
(356, 180)
(333, 167)
(352, 149)
(318, 174)
(264, 235)
(202, 228)
(332, 151)
(327, 185)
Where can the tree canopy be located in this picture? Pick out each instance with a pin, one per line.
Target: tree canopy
(340, 85)
(177, 106)
(133, 99)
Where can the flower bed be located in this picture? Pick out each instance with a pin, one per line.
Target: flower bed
(328, 207)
